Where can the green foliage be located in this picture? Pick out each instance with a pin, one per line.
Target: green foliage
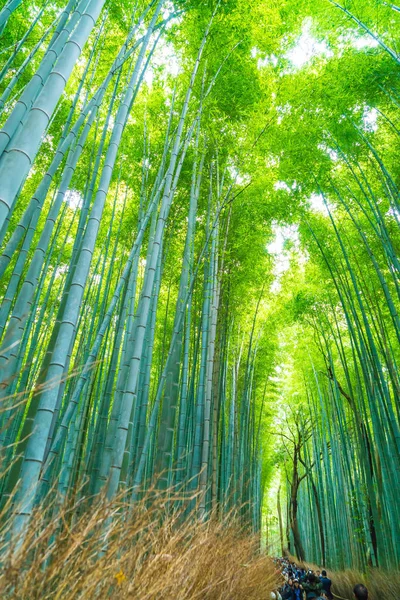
(299, 153)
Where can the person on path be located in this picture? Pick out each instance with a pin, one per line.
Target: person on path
(312, 587)
(360, 592)
(326, 584)
(297, 591)
(301, 576)
(286, 591)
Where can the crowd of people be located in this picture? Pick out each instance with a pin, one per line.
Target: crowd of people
(300, 584)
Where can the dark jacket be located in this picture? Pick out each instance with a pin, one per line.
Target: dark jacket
(286, 592)
(312, 589)
(297, 594)
(326, 586)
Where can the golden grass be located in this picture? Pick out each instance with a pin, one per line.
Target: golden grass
(149, 554)
(382, 585)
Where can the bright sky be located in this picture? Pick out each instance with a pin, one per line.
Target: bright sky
(73, 198)
(282, 234)
(164, 56)
(307, 47)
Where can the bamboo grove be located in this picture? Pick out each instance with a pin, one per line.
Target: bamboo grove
(101, 392)
(149, 339)
(340, 440)
(350, 461)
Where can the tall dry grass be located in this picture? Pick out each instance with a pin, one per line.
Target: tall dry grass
(146, 553)
(382, 585)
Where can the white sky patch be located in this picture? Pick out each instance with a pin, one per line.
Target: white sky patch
(74, 199)
(364, 41)
(282, 255)
(61, 270)
(49, 139)
(167, 10)
(239, 178)
(31, 173)
(394, 213)
(333, 155)
(370, 118)
(32, 11)
(272, 161)
(282, 185)
(282, 111)
(307, 47)
(111, 123)
(81, 62)
(270, 59)
(164, 58)
(318, 205)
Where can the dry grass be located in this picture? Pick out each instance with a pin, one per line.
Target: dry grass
(150, 555)
(382, 585)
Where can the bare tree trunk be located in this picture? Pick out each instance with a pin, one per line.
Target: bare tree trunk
(279, 508)
(294, 506)
(320, 521)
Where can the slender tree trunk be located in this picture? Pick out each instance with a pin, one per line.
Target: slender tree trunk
(279, 509)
